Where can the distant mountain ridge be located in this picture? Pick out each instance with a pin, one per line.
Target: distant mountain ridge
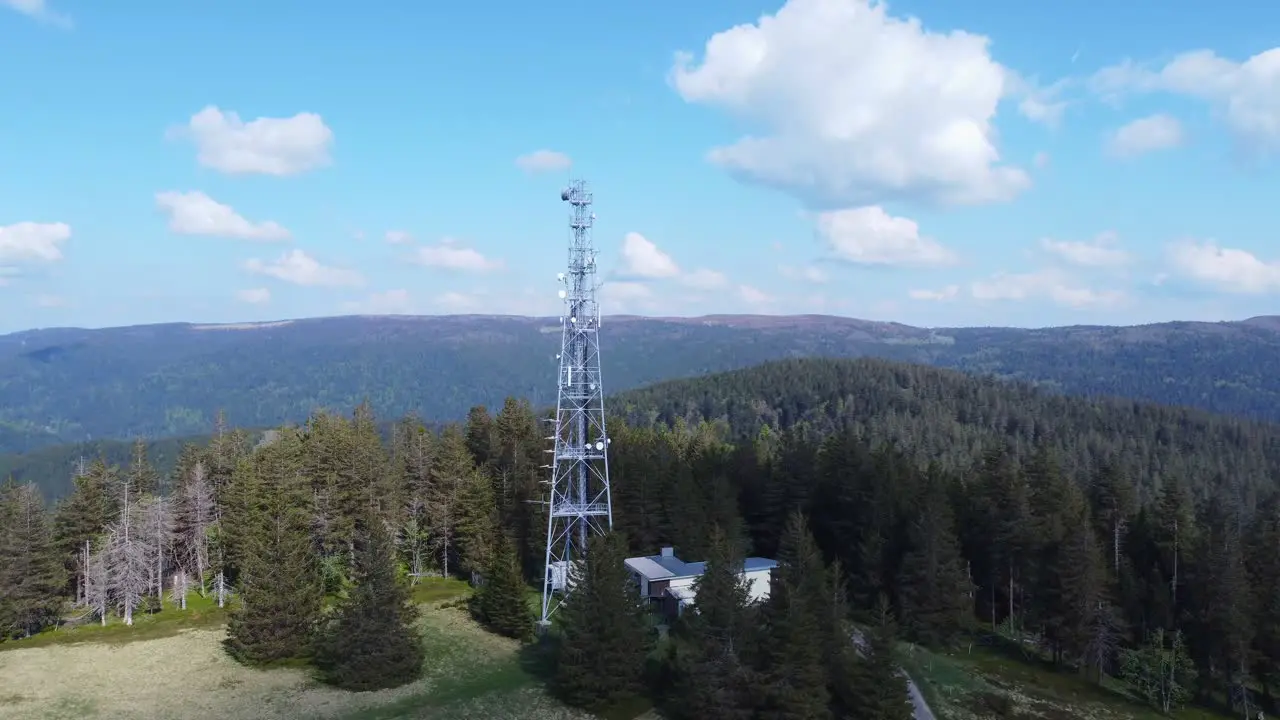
(68, 385)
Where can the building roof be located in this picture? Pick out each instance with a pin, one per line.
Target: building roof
(658, 567)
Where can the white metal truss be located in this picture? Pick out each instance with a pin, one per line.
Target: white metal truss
(580, 504)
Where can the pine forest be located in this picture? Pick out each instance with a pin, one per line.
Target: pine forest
(1132, 547)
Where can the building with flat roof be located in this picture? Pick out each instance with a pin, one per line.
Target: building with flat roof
(666, 581)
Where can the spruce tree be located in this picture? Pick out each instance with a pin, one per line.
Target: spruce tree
(500, 603)
(31, 573)
(85, 514)
(281, 588)
(886, 696)
(604, 636)
(712, 662)
(793, 677)
(935, 591)
(371, 642)
(141, 476)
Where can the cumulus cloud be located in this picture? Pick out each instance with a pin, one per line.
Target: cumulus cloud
(807, 273)
(254, 296)
(449, 255)
(947, 293)
(390, 302)
(641, 258)
(32, 242)
(265, 146)
(1245, 94)
(1101, 252)
(540, 161)
(870, 236)
(858, 106)
(1227, 269)
(194, 213)
(299, 268)
(39, 10)
(1146, 135)
(703, 279)
(754, 297)
(1043, 284)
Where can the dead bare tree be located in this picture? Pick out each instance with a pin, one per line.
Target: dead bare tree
(195, 516)
(179, 586)
(156, 521)
(128, 556)
(97, 583)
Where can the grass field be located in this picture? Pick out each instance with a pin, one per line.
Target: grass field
(172, 665)
(983, 684)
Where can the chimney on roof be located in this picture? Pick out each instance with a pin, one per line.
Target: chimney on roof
(668, 552)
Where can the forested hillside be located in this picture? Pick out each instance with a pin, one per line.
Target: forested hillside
(71, 385)
(954, 419)
(1115, 537)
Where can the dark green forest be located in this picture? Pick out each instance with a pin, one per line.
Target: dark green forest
(71, 385)
(1125, 543)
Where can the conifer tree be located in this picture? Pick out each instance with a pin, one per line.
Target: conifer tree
(712, 660)
(141, 476)
(886, 696)
(371, 642)
(501, 603)
(793, 678)
(281, 588)
(85, 514)
(1263, 563)
(604, 636)
(936, 595)
(32, 577)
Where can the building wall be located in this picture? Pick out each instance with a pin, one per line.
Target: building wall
(759, 584)
(680, 583)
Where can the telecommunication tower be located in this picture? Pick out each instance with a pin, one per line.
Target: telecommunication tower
(580, 504)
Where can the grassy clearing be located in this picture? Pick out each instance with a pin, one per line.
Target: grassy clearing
(984, 684)
(171, 665)
(201, 613)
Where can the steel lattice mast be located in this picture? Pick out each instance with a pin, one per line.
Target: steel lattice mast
(580, 504)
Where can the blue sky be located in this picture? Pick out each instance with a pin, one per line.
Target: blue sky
(993, 162)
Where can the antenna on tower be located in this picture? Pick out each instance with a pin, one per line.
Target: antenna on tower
(580, 504)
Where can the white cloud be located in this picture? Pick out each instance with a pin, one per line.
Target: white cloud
(265, 146)
(299, 268)
(703, 279)
(1228, 269)
(50, 301)
(754, 296)
(808, 273)
(859, 106)
(37, 9)
(1048, 284)
(869, 235)
(1101, 252)
(1043, 105)
(398, 237)
(32, 242)
(194, 213)
(449, 255)
(254, 296)
(391, 302)
(624, 291)
(642, 259)
(543, 161)
(1246, 94)
(947, 293)
(1145, 135)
